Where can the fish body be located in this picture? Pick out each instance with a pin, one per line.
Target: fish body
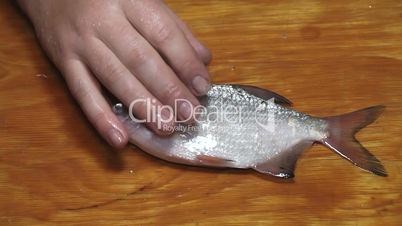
(248, 127)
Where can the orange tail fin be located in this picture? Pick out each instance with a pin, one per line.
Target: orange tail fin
(341, 139)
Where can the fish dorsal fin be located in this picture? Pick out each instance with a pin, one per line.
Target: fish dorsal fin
(283, 165)
(264, 94)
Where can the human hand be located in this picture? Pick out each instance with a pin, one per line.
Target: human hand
(135, 49)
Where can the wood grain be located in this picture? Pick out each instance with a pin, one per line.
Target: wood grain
(328, 57)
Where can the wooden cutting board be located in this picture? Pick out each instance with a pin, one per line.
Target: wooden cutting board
(328, 57)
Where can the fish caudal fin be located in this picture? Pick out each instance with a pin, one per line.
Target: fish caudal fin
(341, 139)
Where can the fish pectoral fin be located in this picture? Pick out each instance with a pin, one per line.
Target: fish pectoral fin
(283, 165)
(264, 94)
(213, 161)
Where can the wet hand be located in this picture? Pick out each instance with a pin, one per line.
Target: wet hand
(135, 49)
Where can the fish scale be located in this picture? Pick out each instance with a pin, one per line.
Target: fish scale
(249, 127)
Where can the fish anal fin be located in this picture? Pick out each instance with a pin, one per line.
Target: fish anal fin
(283, 165)
(274, 170)
(264, 94)
(213, 161)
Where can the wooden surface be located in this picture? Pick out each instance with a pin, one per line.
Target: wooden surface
(329, 58)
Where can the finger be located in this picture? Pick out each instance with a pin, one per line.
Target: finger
(122, 84)
(86, 91)
(203, 52)
(163, 33)
(145, 63)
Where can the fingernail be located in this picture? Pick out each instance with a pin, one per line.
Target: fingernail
(115, 137)
(185, 111)
(201, 85)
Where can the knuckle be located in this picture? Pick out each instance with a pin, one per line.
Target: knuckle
(163, 33)
(172, 92)
(113, 73)
(136, 56)
(78, 90)
(110, 73)
(114, 70)
(58, 48)
(86, 39)
(82, 27)
(118, 28)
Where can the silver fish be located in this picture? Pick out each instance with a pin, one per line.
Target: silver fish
(249, 127)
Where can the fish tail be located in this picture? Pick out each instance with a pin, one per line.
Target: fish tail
(341, 138)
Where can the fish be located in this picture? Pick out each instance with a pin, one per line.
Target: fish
(248, 127)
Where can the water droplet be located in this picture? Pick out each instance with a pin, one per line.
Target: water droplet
(41, 76)
(131, 171)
